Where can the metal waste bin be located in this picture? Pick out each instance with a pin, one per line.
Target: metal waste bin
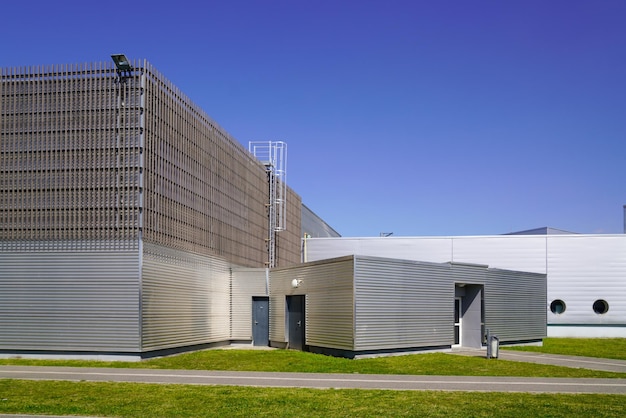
(493, 346)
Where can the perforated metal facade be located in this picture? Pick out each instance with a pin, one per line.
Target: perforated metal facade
(84, 156)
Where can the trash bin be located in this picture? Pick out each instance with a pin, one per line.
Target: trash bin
(493, 346)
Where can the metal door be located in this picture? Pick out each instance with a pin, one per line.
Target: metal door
(260, 321)
(296, 314)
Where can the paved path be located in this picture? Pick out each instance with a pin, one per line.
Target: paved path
(602, 364)
(317, 380)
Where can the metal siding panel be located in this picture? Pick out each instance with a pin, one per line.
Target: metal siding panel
(70, 300)
(515, 305)
(314, 226)
(246, 283)
(403, 304)
(430, 249)
(328, 287)
(583, 269)
(185, 299)
(511, 252)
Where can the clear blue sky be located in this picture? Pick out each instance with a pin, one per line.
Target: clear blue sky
(413, 117)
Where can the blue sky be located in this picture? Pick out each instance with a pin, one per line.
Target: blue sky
(413, 117)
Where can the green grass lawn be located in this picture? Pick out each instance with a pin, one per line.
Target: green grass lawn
(417, 364)
(149, 400)
(614, 348)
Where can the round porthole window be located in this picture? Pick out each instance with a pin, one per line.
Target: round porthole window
(557, 306)
(600, 306)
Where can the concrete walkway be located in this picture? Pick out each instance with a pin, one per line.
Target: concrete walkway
(592, 363)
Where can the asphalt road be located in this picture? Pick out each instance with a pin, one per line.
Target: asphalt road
(319, 381)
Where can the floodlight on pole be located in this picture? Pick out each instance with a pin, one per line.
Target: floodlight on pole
(123, 66)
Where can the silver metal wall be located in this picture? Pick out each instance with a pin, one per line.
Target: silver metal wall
(246, 283)
(514, 252)
(185, 299)
(314, 226)
(328, 287)
(69, 298)
(515, 305)
(364, 303)
(402, 304)
(581, 269)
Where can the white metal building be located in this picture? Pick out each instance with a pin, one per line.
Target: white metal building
(586, 274)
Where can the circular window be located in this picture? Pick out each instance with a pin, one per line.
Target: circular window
(557, 306)
(600, 306)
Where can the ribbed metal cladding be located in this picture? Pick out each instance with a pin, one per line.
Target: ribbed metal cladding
(246, 283)
(70, 298)
(329, 291)
(514, 252)
(515, 307)
(584, 269)
(402, 304)
(185, 299)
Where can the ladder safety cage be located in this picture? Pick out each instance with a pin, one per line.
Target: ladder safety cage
(273, 155)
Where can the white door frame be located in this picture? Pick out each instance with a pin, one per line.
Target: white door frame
(458, 321)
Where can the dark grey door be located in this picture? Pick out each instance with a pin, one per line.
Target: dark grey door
(295, 311)
(261, 320)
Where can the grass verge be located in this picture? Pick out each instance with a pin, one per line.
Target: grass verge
(150, 400)
(418, 364)
(613, 348)
(297, 361)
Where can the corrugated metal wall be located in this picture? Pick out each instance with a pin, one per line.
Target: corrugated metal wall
(185, 299)
(329, 302)
(581, 268)
(246, 283)
(515, 307)
(69, 299)
(364, 303)
(431, 249)
(402, 304)
(514, 252)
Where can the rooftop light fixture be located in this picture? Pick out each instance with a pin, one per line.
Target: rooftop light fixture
(123, 66)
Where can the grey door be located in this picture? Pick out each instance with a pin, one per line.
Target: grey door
(295, 311)
(260, 321)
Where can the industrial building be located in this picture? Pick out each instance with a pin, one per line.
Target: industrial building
(123, 208)
(586, 291)
(133, 225)
(356, 306)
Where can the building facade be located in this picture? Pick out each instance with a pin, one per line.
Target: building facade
(586, 293)
(89, 157)
(124, 208)
(356, 306)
